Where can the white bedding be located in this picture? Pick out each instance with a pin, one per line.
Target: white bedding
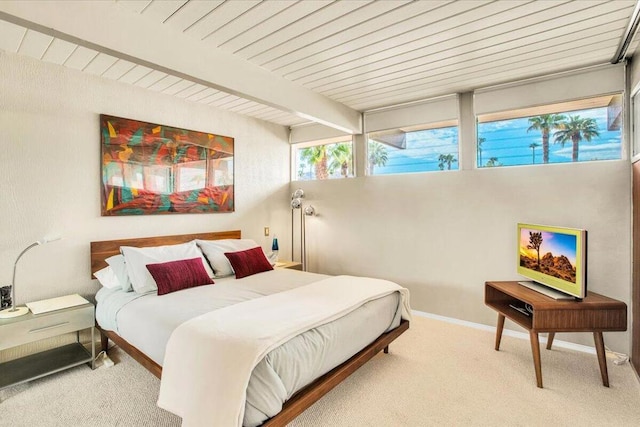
(147, 322)
(237, 337)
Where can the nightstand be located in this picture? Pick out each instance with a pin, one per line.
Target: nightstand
(293, 265)
(34, 327)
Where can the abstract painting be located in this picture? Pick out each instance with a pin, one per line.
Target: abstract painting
(150, 169)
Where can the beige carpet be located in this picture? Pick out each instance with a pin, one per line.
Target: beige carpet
(436, 374)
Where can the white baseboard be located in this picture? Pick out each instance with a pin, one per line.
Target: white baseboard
(507, 332)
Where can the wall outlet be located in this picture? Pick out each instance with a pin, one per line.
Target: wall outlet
(266, 231)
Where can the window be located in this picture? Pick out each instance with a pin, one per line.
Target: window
(575, 131)
(415, 149)
(325, 159)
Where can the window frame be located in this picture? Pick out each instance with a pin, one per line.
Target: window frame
(430, 125)
(327, 141)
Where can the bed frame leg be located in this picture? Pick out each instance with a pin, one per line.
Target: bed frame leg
(386, 350)
(104, 341)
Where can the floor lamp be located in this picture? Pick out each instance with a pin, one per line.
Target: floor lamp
(308, 211)
(296, 203)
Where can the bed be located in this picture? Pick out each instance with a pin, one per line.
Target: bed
(146, 342)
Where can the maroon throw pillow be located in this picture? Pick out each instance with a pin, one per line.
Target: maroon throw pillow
(177, 275)
(246, 263)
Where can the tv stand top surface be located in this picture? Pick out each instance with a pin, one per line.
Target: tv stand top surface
(594, 312)
(516, 290)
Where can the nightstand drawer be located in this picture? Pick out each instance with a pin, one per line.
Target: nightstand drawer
(46, 325)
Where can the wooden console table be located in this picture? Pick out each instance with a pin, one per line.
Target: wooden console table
(595, 313)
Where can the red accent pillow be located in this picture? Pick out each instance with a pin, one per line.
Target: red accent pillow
(177, 275)
(246, 263)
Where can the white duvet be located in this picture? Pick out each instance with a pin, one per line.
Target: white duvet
(237, 337)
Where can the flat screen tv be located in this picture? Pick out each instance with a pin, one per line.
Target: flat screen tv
(555, 258)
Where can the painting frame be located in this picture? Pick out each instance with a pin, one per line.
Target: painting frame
(152, 169)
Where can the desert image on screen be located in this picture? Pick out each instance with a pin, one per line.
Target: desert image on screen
(549, 253)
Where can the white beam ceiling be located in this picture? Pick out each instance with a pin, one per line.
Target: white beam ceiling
(110, 29)
(294, 61)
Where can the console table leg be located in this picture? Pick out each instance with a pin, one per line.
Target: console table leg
(602, 358)
(499, 329)
(550, 338)
(535, 349)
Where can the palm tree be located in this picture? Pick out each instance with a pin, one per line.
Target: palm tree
(575, 130)
(317, 156)
(544, 123)
(378, 155)
(533, 147)
(446, 159)
(480, 141)
(340, 155)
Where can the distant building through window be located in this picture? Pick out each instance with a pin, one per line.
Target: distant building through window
(575, 131)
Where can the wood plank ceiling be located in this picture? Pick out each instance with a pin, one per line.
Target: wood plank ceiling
(364, 54)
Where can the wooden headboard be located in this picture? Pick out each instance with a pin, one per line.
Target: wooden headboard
(106, 248)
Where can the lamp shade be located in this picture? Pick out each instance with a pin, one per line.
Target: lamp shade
(19, 311)
(296, 203)
(49, 239)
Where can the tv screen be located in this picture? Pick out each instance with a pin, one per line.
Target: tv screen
(555, 257)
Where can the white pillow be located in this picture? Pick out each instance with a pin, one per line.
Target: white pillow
(136, 260)
(117, 264)
(214, 251)
(107, 278)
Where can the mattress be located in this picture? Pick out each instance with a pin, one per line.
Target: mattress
(147, 321)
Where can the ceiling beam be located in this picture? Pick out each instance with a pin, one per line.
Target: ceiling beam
(114, 30)
(628, 35)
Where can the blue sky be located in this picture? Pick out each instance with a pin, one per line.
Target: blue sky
(507, 140)
(422, 152)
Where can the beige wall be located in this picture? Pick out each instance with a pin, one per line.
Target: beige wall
(443, 234)
(50, 172)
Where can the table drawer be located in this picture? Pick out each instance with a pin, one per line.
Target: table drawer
(46, 325)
